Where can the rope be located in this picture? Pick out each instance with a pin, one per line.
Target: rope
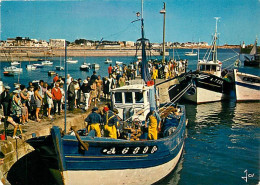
(176, 99)
(229, 58)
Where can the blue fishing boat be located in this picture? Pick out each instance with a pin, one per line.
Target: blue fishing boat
(78, 157)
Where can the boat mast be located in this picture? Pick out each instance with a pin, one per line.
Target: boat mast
(145, 73)
(214, 52)
(163, 11)
(65, 84)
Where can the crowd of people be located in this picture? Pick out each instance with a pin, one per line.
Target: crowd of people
(40, 98)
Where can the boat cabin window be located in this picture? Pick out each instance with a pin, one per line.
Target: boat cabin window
(128, 97)
(207, 67)
(214, 68)
(118, 97)
(139, 97)
(202, 68)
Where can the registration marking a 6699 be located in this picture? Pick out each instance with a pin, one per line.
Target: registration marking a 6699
(130, 150)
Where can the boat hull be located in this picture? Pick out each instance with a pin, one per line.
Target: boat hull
(13, 69)
(72, 61)
(208, 88)
(84, 68)
(30, 67)
(59, 68)
(247, 87)
(137, 176)
(113, 161)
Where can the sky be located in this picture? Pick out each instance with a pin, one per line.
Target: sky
(186, 20)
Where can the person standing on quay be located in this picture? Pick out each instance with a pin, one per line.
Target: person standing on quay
(85, 88)
(99, 87)
(49, 101)
(38, 100)
(110, 69)
(71, 95)
(56, 96)
(5, 100)
(94, 77)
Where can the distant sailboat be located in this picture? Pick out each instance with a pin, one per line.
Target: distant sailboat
(60, 67)
(253, 59)
(29, 66)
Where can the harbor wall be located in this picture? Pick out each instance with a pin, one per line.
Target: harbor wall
(29, 53)
(14, 149)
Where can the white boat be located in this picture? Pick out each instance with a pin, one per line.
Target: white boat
(85, 66)
(247, 86)
(47, 62)
(209, 83)
(95, 66)
(191, 53)
(107, 61)
(119, 63)
(13, 69)
(71, 61)
(59, 68)
(15, 63)
(38, 65)
(30, 67)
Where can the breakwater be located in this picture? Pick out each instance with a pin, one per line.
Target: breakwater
(32, 53)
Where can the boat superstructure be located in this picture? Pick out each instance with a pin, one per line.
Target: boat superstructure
(209, 79)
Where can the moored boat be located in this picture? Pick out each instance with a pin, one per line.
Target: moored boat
(38, 65)
(59, 68)
(8, 73)
(129, 159)
(85, 66)
(107, 61)
(247, 86)
(210, 83)
(95, 66)
(47, 62)
(191, 53)
(13, 69)
(119, 63)
(50, 73)
(30, 67)
(15, 63)
(71, 61)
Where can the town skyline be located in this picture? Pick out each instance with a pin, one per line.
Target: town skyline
(186, 21)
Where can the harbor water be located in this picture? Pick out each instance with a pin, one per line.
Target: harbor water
(222, 144)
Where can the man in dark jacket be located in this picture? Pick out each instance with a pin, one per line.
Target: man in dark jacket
(71, 95)
(6, 100)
